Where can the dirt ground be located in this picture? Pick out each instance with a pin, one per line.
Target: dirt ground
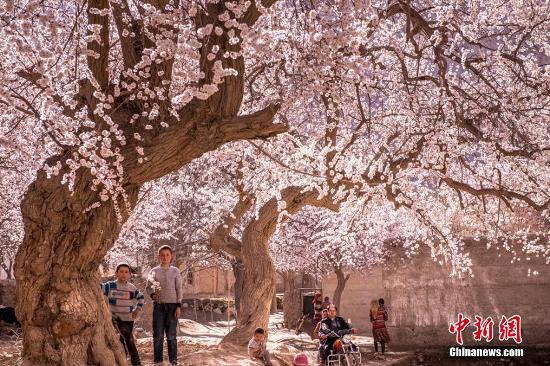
(10, 351)
(198, 346)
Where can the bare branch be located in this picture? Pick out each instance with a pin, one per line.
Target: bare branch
(500, 193)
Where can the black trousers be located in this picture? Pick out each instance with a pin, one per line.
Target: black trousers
(325, 348)
(125, 329)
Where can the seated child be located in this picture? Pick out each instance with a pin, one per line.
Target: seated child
(315, 334)
(256, 348)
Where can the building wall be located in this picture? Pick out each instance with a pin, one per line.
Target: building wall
(209, 282)
(423, 299)
(214, 281)
(7, 293)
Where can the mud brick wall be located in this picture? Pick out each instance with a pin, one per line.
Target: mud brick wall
(424, 300)
(7, 293)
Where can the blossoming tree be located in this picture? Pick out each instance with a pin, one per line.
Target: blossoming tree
(126, 92)
(418, 104)
(430, 109)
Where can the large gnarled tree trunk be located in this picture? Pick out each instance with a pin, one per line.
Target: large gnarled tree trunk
(64, 317)
(63, 314)
(253, 250)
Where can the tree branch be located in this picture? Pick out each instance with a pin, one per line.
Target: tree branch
(34, 77)
(256, 125)
(98, 46)
(131, 50)
(221, 238)
(501, 193)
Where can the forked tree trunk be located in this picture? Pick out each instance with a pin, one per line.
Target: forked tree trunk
(59, 303)
(292, 300)
(342, 279)
(258, 287)
(259, 273)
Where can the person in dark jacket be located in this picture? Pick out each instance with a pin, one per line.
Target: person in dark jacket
(332, 323)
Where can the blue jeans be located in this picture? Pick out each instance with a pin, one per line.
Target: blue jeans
(164, 321)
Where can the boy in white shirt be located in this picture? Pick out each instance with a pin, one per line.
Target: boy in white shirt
(257, 349)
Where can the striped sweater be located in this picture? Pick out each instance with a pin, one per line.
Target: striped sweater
(123, 298)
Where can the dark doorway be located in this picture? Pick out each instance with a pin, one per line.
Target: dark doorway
(307, 304)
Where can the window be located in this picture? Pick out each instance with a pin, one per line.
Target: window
(190, 278)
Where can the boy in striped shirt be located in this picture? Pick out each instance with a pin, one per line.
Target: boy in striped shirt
(125, 302)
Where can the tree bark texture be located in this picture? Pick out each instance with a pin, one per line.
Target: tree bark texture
(259, 272)
(238, 269)
(292, 300)
(59, 303)
(342, 279)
